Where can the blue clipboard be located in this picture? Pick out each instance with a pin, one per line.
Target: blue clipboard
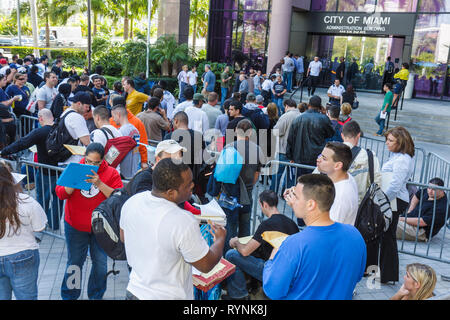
(75, 174)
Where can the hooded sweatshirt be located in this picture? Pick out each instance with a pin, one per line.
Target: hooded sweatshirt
(81, 203)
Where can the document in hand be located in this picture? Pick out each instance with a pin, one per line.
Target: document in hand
(383, 115)
(76, 150)
(75, 174)
(205, 281)
(275, 238)
(212, 211)
(18, 177)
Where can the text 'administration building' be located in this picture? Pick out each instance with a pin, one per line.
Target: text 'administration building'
(365, 32)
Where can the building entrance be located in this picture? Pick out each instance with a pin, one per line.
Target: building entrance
(365, 58)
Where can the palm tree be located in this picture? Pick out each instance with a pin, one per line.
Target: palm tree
(167, 51)
(198, 19)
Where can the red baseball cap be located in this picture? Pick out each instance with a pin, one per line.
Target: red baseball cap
(3, 61)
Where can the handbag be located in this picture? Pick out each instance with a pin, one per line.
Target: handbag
(355, 104)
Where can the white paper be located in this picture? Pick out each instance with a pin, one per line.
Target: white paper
(18, 177)
(211, 211)
(386, 178)
(383, 115)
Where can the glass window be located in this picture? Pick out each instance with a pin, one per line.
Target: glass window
(430, 54)
(397, 5)
(357, 5)
(324, 5)
(434, 6)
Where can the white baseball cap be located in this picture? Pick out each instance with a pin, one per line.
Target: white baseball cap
(169, 146)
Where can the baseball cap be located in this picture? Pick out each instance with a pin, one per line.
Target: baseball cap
(169, 146)
(259, 98)
(199, 96)
(3, 61)
(251, 96)
(82, 97)
(315, 102)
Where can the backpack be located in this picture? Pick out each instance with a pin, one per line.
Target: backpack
(116, 149)
(57, 108)
(106, 224)
(228, 165)
(57, 138)
(257, 117)
(374, 213)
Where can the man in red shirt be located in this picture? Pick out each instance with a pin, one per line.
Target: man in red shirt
(77, 226)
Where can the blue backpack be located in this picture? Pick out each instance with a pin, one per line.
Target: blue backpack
(258, 118)
(228, 165)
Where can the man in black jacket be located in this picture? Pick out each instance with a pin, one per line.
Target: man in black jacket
(45, 178)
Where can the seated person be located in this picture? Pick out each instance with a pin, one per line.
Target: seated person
(420, 281)
(250, 258)
(425, 221)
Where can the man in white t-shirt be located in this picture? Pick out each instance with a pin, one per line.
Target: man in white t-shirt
(75, 122)
(192, 77)
(162, 240)
(198, 119)
(182, 82)
(334, 161)
(105, 130)
(314, 69)
(189, 95)
(48, 92)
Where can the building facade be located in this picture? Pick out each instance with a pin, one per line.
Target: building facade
(365, 32)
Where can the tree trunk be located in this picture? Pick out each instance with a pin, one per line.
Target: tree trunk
(131, 28)
(47, 36)
(95, 24)
(125, 22)
(194, 34)
(34, 26)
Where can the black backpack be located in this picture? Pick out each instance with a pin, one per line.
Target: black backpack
(106, 224)
(258, 118)
(374, 213)
(57, 138)
(58, 104)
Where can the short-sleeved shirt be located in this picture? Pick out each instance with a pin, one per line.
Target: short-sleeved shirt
(99, 93)
(211, 79)
(161, 245)
(153, 123)
(223, 76)
(336, 91)
(279, 87)
(99, 136)
(277, 222)
(192, 77)
(4, 96)
(77, 128)
(135, 101)
(212, 112)
(198, 119)
(130, 164)
(315, 68)
(14, 90)
(48, 95)
(388, 98)
(427, 212)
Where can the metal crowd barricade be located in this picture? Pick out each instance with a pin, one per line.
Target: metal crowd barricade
(378, 147)
(288, 178)
(26, 124)
(436, 166)
(437, 247)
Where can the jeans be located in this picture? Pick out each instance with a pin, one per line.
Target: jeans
(257, 92)
(276, 178)
(181, 97)
(287, 76)
(45, 185)
(381, 122)
(238, 223)
(19, 274)
(195, 88)
(77, 246)
(279, 102)
(236, 284)
(224, 93)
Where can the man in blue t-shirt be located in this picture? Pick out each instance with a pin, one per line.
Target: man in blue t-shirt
(209, 81)
(323, 262)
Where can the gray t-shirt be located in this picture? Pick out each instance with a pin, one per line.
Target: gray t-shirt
(130, 164)
(47, 94)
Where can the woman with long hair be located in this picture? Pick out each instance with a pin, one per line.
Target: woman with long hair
(419, 283)
(20, 216)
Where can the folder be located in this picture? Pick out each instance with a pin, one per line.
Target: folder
(75, 174)
(206, 281)
(76, 150)
(275, 238)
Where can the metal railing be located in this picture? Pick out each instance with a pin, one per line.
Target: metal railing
(437, 166)
(25, 124)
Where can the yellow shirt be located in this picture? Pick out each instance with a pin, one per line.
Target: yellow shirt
(135, 100)
(402, 74)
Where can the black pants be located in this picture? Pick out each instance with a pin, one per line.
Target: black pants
(266, 96)
(385, 253)
(313, 82)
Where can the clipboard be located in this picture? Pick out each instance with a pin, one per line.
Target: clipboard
(75, 174)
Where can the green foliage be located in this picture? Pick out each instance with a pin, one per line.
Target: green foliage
(216, 67)
(166, 49)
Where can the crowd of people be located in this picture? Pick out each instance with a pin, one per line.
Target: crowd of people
(253, 122)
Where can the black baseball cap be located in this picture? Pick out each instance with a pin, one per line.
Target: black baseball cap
(82, 97)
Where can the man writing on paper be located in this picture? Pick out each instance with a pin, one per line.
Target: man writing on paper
(162, 241)
(249, 258)
(77, 225)
(323, 262)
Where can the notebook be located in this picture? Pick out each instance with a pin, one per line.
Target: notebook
(75, 174)
(275, 238)
(76, 150)
(212, 212)
(206, 281)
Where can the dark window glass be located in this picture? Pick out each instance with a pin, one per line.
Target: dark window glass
(357, 5)
(397, 5)
(434, 6)
(254, 4)
(324, 5)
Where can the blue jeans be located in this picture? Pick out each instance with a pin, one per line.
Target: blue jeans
(45, 186)
(77, 246)
(19, 274)
(257, 92)
(195, 88)
(279, 102)
(287, 77)
(224, 93)
(381, 122)
(236, 284)
(181, 97)
(276, 178)
(238, 223)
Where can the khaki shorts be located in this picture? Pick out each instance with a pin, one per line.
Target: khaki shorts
(410, 232)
